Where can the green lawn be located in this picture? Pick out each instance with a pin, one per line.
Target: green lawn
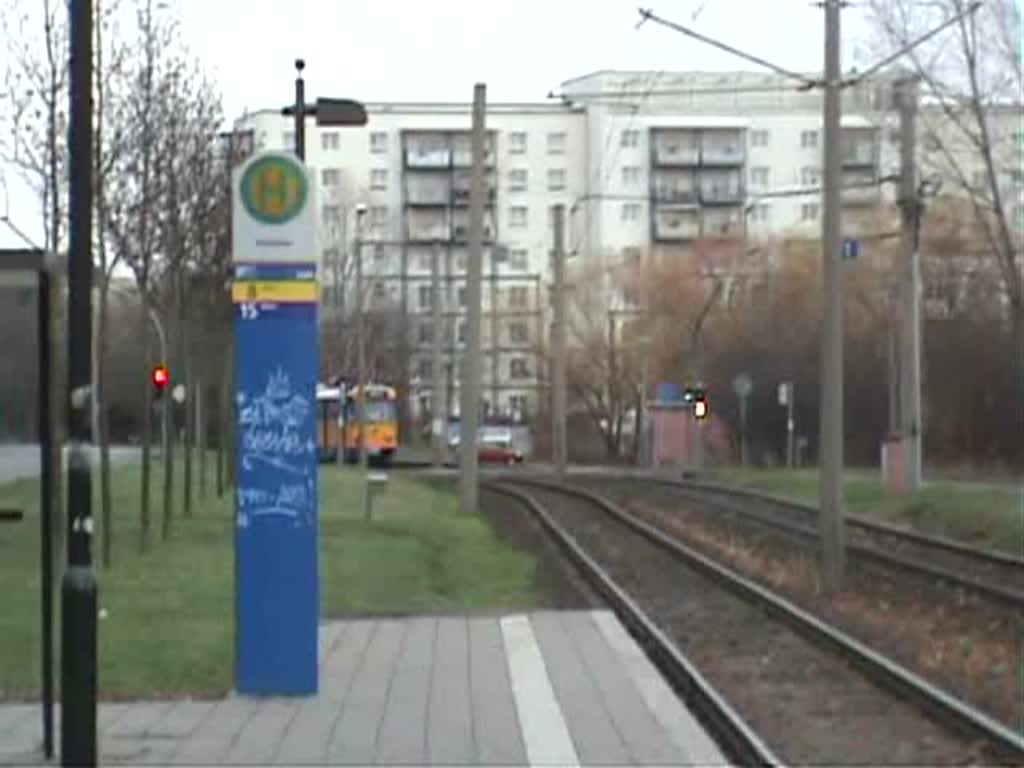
(987, 517)
(169, 614)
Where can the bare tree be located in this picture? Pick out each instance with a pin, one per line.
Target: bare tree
(132, 204)
(599, 377)
(972, 85)
(36, 93)
(192, 113)
(110, 58)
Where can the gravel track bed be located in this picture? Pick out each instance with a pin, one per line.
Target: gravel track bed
(809, 705)
(959, 642)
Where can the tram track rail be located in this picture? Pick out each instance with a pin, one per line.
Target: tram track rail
(975, 729)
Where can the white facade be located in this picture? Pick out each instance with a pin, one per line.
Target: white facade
(639, 159)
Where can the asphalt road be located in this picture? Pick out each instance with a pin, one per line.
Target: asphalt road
(17, 461)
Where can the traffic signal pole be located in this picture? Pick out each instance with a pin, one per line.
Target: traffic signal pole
(78, 588)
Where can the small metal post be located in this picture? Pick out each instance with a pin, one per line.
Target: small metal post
(46, 505)
(300, 111)
(79, 590)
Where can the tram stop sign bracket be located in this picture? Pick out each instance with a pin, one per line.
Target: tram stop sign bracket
(333, 112)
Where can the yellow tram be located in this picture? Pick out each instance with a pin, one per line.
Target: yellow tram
(381, 424)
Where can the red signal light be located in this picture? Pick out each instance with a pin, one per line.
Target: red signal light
(161, 376)
(700, 409)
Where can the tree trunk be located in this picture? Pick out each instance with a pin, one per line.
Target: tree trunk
(200, 422)
(58, 395)
(186, 361)
(1017, 340)
(147, 426)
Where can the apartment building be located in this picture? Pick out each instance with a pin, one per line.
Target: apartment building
(642, 161)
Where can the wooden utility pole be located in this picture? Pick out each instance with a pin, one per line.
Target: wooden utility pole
(470, 389)
(910, 288)
(830, 473)
(438, 397)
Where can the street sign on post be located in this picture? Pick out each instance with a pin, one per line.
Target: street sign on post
(851, 249)
(276, 360)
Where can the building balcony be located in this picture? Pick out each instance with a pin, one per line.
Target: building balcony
(676, 224)
(721, 223)
(675, 147)
(463, 158)
(859, 147)
(675, 156)
(675, 196)
(859, 155)
(861, 188)
(722, 146)
(722, 194)
(460, 197)
(427, 226)
(428, 159)
(460, 234)
(435, 193)
(723, 155)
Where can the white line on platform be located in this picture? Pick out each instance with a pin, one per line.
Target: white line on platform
(670, 713)
(545, 734)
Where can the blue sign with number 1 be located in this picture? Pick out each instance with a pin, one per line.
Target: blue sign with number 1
(276, 497)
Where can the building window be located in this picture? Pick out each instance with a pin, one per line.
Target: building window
(517, 180)
(630, 212)
(378, 178)
(330, 140)
(809, 211)
(426, 368)
(330, 213)
(630, 175)
(460, 334)
(556, 179)
(809, 177)
(517, 216)
(330, 177)
(426, 333)
(517, 404)
(425, 297)
(631, 138)
(288, 139)
(759, 177)
(379, 215)
(809, 139)
(517, 143)
(556, 143)
(518, 258)
(379, 142)
(759, 138)
(518, 333)
(518, 368)
(761, 213)
(379, 252)
(379, 290)
(462, 295)
(518, 297)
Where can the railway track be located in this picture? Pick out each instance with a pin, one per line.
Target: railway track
(996, 576)
(802, 690)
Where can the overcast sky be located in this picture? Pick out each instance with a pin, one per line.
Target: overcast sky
(384, 50)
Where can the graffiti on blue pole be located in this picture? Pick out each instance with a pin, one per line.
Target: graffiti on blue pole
(276, 363)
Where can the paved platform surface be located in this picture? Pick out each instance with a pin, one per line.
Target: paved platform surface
(546, 688)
